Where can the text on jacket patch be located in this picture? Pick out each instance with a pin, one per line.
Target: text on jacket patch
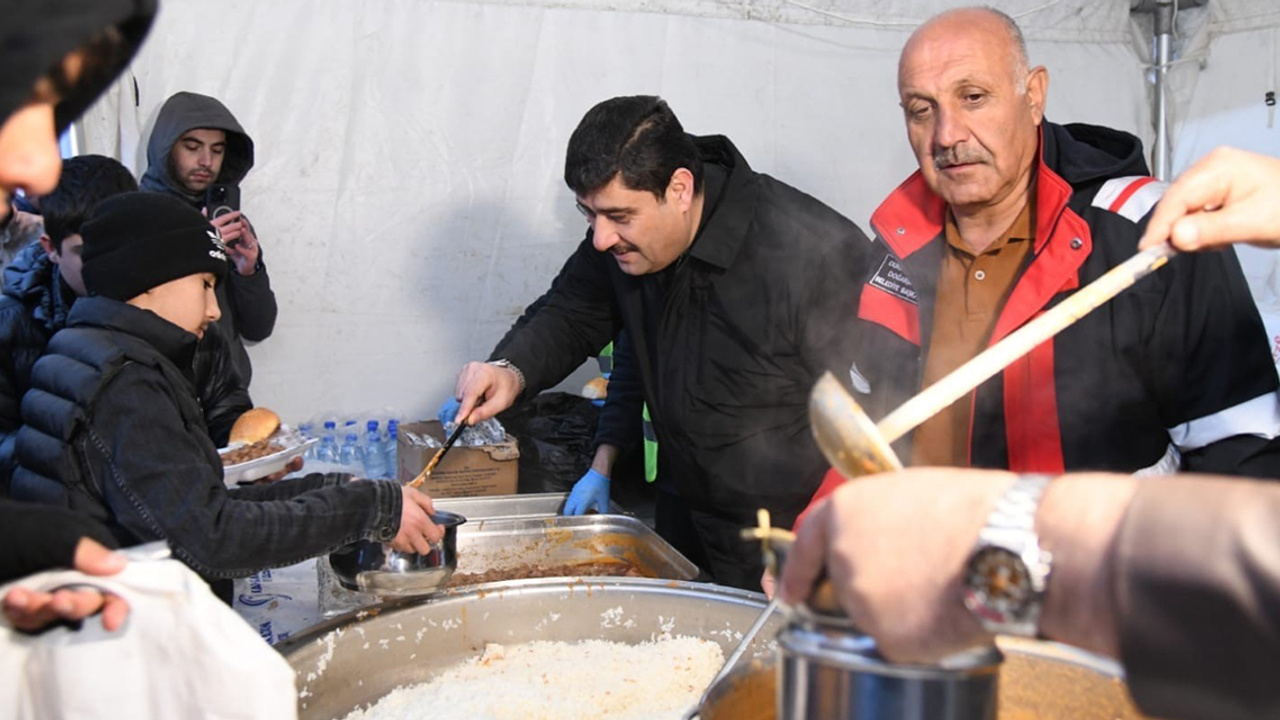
(893, 279)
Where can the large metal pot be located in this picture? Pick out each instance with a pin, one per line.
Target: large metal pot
(357, 658)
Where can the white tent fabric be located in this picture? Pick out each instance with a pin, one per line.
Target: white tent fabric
(1234, 61)
(408, 188)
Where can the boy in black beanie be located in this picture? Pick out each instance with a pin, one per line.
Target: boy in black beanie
(112, 426)
(44, 280)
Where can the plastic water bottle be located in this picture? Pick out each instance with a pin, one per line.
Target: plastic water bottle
(349, 453)
(327, 451)
(375, 465)
(389, 447)
(308, 430)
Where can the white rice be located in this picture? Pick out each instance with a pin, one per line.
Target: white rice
(553, 680)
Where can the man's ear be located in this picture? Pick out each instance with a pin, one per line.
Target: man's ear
(1037, 91)
(50, 250)
(680, 188)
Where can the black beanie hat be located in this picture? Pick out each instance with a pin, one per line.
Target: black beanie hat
(139, 240)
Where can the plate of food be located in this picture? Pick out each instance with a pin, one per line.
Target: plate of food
(259, 446)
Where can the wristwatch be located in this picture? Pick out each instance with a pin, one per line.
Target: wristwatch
(505, 363)
(1005, 578)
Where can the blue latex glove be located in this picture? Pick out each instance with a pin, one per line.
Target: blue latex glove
(448, 411)
(592, 490)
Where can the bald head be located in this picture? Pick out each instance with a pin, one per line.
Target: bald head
(981, 23)
(973, 109)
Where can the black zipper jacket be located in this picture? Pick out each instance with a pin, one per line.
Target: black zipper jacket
(112, 429)
(728, 341)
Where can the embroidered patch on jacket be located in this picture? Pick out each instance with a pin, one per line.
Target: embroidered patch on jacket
(1130, 197)
(893, 279)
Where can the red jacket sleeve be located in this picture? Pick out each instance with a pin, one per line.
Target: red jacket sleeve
(830, 482)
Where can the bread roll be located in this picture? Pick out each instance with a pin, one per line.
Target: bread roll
(595, 389)
(254, 426)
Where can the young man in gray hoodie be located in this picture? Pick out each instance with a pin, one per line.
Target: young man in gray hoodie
(197, 142)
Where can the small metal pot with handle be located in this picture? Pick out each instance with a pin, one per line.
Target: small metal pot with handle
(375, 568)
(827, 669)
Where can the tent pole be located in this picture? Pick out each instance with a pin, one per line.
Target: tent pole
(1164, 37)
(1163, 13)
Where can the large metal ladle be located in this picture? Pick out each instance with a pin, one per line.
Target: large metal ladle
(856, 446)
(439, 454)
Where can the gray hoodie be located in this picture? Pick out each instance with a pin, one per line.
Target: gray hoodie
(185, 111)
(247, 302)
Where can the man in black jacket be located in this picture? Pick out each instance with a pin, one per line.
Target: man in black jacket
(41, 285)
(197, 142)
(735, 293)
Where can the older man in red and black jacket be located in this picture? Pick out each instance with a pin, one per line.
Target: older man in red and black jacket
(1008, 215)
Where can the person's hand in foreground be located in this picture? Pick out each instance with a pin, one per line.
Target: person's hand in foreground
(32, 611)
(1229, 196)
(895, 547)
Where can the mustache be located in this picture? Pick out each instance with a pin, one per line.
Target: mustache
(944, 158)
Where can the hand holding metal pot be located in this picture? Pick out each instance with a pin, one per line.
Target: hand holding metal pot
(894, 546)
(417, 533)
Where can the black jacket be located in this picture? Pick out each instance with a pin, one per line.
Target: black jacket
(112, 429)
(1181, 357)
(35, 306)
(248, 303)
(728, 341)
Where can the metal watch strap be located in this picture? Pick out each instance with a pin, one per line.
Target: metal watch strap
(1015, 511)
(1010, 530)
(505, 363)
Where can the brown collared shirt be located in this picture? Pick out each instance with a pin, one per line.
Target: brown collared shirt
(971, 293)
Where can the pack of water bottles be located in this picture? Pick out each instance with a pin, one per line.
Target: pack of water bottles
(363, 443)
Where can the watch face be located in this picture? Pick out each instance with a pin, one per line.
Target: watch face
(998, 586)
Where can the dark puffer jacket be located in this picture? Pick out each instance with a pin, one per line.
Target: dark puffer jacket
(35, 306)
(112, 429)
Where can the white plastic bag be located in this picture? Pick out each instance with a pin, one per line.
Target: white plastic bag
(182, 653)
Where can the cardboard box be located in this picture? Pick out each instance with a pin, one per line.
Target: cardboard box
(464, 471)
